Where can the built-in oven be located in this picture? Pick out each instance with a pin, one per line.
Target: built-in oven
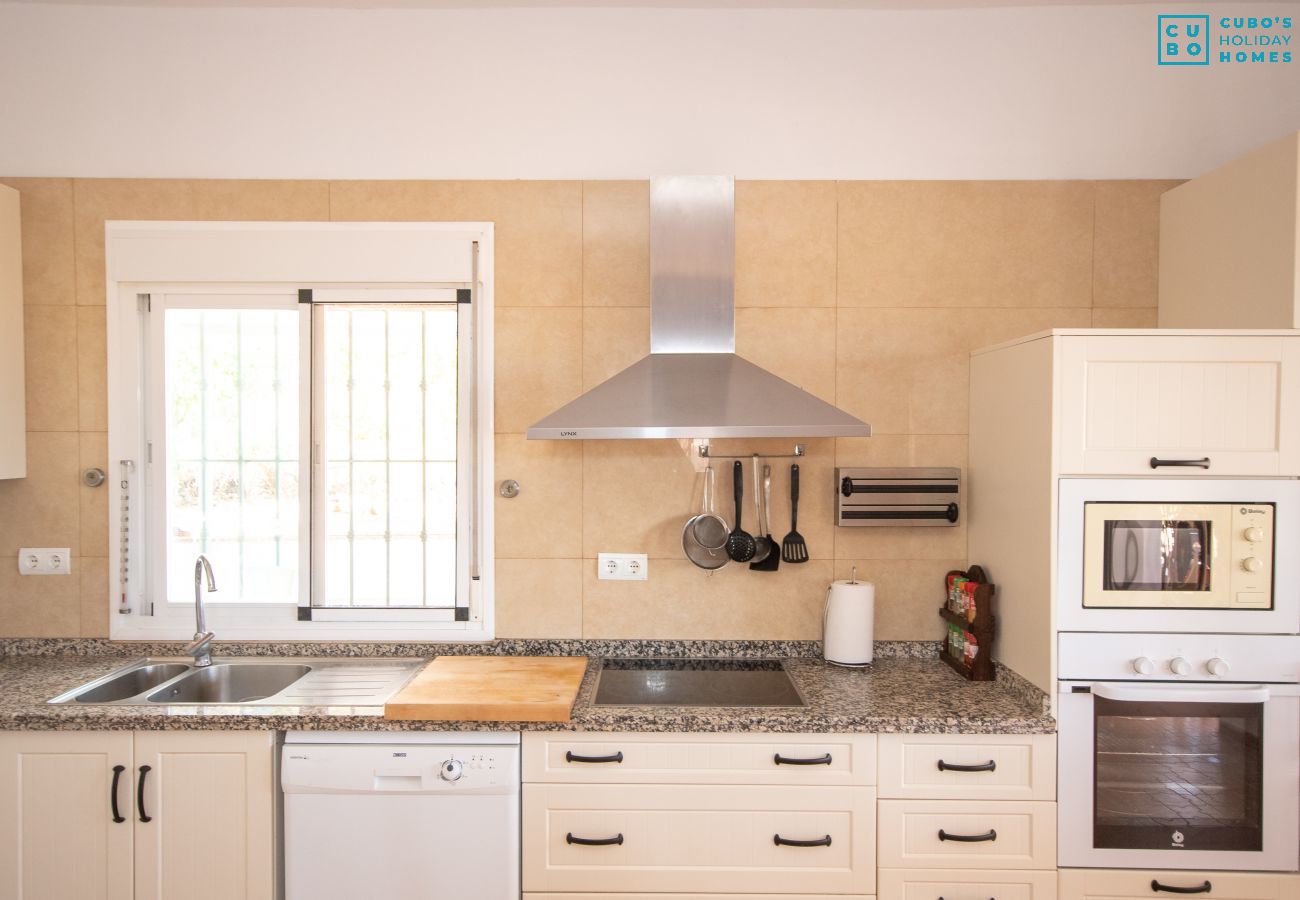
(1179, 752)
(1178, 555)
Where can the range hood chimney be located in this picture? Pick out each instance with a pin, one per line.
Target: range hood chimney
(693, 385)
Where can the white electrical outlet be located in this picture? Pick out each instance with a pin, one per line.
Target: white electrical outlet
(44, 561)
(622, 566)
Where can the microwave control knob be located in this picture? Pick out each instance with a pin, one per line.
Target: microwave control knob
(1254, 534)
(1251, 564)
(451, 770)
(1217, 667)
(1143, 666)
(1180, 666)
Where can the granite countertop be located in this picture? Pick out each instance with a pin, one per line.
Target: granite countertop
(906, 690)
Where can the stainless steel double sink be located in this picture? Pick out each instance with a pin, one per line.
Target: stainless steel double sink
(248, 680)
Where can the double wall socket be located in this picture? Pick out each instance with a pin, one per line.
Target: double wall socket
(621, 566)
(44, 561)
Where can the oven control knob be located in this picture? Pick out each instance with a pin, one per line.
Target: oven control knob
(1254, 534)
(1251, 564)
(1143, 666)
(1217, 667)
(451, 770)
(1180, 666)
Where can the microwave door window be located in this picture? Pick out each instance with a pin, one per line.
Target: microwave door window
(1155, 555)
(1178, 776)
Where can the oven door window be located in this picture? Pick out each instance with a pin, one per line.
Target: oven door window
(1175, 776)
(1156, 555)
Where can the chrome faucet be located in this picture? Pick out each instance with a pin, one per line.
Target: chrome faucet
(201, 647)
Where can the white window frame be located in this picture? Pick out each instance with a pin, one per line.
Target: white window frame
(384, 261)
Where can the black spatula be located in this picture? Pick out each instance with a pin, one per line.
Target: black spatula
(793, 548)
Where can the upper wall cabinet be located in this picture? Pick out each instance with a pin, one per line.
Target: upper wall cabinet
(13, 404)
(1179, 405)
(1230, 245)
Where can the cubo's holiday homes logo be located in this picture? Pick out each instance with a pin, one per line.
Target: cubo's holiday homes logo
(1196, 40)
(1182, 41)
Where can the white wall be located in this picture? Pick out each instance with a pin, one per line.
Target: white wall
(1049, 92)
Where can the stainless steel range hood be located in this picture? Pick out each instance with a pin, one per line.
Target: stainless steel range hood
(693, 385)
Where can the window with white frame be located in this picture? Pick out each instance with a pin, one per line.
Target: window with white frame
(319, 445)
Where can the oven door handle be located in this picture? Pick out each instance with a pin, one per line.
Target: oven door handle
(1253, 693)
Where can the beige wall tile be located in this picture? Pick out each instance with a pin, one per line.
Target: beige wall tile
(92, 369)
(965, 243)
(797, 344)
(261, 200)
(616, 243)
(48, 272)
(538, 227)
(637, 495)
(906, 371)
(680, 601)
(98, 200)
(612, 339)
(1122, 317)
(1127, 243)
(539, 598)
(785, 243)
(93, 453)
(545, 519)
(538, 364)
(42, 509)
(93, 589)
(50, 351)
(908, 594)
(39, 605)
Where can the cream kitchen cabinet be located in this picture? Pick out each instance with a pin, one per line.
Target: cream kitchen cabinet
(967, 766)
(1115, 884)
(683, 817)
(955, 884)
(13, 404)
(144, 815)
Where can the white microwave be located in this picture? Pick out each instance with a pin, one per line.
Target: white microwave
(1178, 555)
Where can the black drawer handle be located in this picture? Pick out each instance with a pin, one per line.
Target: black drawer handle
(570, 756)
(989, 835)
(791, 842)
(780, 760)
(593, 842)
(139, 794)
(112, 794)
(1169, 888)
(989, 766)
(1202, 463)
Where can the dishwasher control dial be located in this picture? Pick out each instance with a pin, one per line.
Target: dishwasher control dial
(1179, 666)
(451, 770)
(1217, 667)
(1143, 666)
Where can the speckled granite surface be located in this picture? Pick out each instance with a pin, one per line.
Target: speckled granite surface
(900, 693)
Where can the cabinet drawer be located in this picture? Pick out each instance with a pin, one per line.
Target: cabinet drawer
(1125, 399)
(1018, 834)
(700, 758)
(927, 766)
(929, 884)
(607, 896)
(698, 838)
(1136, 884)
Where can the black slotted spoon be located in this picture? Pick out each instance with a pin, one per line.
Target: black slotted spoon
(740, 544)
(793, 548)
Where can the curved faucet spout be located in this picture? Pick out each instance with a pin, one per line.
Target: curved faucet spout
(200, 647)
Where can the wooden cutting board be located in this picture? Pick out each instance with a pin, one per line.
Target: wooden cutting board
(491, 689)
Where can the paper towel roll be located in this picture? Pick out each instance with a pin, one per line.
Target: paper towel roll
(848, 625)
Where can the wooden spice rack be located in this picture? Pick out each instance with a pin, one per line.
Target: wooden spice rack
(982, 627)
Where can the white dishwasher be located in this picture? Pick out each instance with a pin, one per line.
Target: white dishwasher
(401, 815)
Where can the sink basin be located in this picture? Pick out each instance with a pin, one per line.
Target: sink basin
(226, 683)
(132, 682)
(695, 682)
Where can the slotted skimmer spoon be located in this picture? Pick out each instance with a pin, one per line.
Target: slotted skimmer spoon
(740, 544)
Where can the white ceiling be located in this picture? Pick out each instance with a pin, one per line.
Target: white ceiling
(680, 4)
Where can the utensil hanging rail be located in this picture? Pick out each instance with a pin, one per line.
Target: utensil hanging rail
(702, 448)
